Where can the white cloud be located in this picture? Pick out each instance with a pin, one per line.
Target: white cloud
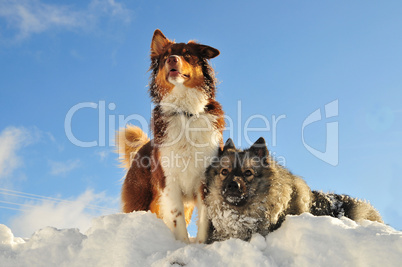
(63, 167)
(11, 140)
(102, 154)
(76, 213)
(30, 17)
(110, 8)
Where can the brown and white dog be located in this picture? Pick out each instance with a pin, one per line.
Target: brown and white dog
(166, 175)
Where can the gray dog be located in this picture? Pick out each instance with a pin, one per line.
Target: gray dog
(248, 192)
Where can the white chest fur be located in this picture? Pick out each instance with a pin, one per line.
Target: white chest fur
(190, 142)
(184, 99)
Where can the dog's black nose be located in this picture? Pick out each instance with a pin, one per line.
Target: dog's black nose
(233, 186)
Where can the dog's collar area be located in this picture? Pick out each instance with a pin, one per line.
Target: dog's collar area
(185, 113)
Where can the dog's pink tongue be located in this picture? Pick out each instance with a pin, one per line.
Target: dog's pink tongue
(174, 73)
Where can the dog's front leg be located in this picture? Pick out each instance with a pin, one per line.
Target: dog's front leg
(203, 223)
(173, 211)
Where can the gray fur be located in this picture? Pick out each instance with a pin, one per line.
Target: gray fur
(342, 205)
(240, 205)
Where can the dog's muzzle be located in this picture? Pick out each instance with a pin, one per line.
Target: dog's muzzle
(235, 192)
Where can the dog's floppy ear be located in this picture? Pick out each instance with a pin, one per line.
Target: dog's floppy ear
(208, 52)
(259, 148)
(158, 44)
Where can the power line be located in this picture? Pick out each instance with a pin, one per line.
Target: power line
(2, 207)
(18, 204)
(20, 194)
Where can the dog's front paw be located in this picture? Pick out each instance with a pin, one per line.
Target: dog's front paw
(201, 238)
(199, 241)
(180, 232)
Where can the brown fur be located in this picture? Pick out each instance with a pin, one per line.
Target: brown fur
(145, 186)
(194, 64)
(137, 191)
(129, 141)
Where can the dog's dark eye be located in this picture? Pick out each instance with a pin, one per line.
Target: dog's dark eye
(187, 56)
(248, 173)
(224, 172)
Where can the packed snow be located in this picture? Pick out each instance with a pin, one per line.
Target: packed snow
(140, 239)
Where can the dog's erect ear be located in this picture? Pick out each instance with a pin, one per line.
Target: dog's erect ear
(158, 44)
(208, 52)
(259, 148)
(229, 144)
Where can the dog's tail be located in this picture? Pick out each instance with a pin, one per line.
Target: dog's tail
(129, 140)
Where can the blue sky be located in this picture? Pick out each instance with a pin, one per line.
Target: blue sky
(279, 62)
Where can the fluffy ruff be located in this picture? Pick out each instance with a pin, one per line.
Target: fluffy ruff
(248, 192)
(166, 175)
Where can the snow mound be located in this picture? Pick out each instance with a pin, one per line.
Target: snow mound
(140, 239)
